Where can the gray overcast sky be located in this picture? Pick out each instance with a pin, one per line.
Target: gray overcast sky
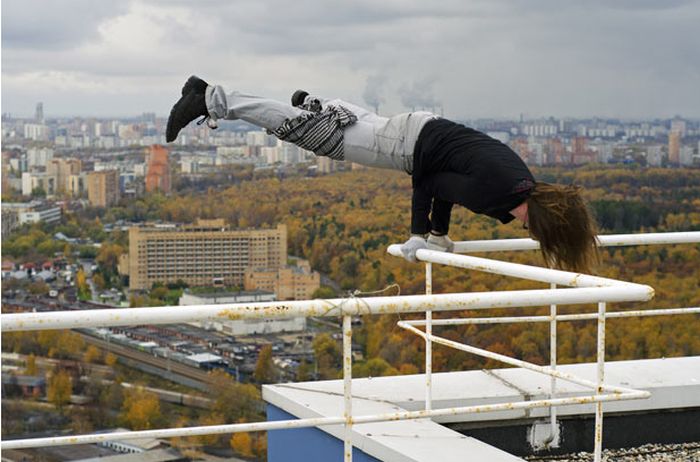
(476, 58)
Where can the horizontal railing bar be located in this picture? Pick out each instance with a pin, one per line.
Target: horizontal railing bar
(561, 317)
(513, 361)
(336, 307)
(518, 270)
(316, 422)
(609, 240)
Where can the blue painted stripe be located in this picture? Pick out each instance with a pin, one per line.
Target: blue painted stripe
(305, 444)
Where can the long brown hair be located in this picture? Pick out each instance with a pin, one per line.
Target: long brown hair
(559, 218)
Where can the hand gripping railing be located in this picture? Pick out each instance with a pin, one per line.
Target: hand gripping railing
(585, 289)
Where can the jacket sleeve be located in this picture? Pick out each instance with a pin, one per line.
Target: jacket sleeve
(420, 210)
(440, 216)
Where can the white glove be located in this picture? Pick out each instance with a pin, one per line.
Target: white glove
(411, 246)
(442, 243)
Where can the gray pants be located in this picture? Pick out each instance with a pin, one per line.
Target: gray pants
(374, 141)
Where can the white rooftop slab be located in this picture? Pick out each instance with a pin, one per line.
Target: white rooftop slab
(204, 357)
(673, 383)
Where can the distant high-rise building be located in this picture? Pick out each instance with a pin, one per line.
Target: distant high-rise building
(555, 151)
(38, 181)
(260, 138)
(36, 132)
(521, 146)
(39, 157)
(5, 173)
(77, 184)
(580, 154)
(578, 145)
(271, 155)
(674, 147)
(158, 169)
(325, 164)
(686, 156)
(203, 254)
(103, 188)
(654, 155)
(149, 118)
(679, 125)
(62, 170)
(39, 113)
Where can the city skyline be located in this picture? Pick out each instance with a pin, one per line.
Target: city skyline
(630, 60)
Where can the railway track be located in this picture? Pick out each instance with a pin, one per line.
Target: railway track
(173, 367)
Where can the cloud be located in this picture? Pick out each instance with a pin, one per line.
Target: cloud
(51, 25)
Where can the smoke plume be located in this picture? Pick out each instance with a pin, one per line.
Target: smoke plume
(373, 91)
(419, 95)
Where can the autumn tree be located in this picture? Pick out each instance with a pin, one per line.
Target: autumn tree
(59, 388)
(141, 409)
(99, 281)
(110, 359)
(92, 354)
(260, 445)
(187, 445)
(82, 285)
(60, 343)
(31, 365)
(212, 439)
(38, 288)
(264, 367)
(234, 400)
(328, 356)
(242, 443)
(375, 367)
(108, 257)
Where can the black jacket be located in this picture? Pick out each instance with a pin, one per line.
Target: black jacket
(453, 164)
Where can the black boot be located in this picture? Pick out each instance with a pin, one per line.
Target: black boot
(190, 106)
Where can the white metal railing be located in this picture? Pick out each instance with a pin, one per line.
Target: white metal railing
(583, 289)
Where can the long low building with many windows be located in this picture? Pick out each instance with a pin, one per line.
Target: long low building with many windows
(203, 254)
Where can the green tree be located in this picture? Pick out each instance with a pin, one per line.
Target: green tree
(38, 192)
(304, 371)
(324, 292)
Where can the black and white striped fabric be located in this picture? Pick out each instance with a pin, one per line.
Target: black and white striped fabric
(319, 132)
